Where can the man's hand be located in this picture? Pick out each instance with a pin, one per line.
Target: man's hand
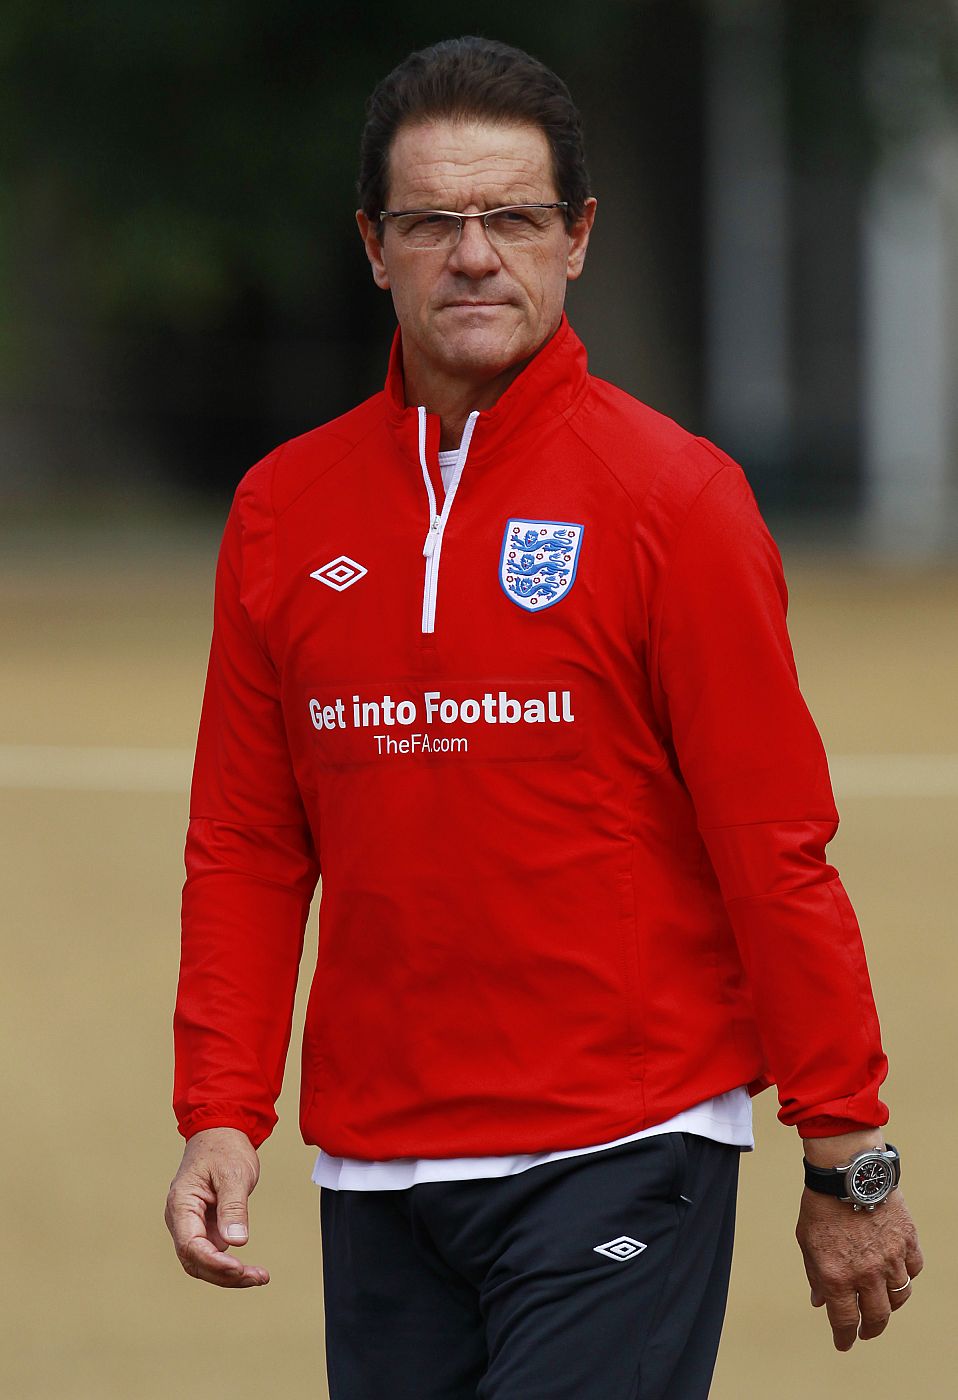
(855, 1260)
(206, 1209)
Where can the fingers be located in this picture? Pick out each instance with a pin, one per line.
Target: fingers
(898, 1296)
(201, 1259)
(864, 1314)
(911, 1267)
(875, 1306)
(198, 1246)
(232, 1220)
(207, 1209)
(844, 1318)
(201, 1249)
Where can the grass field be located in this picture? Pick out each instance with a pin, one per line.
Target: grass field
(104, 657)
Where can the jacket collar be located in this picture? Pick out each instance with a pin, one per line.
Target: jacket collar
(548, 388)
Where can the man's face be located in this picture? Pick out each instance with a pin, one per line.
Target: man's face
(474, 311)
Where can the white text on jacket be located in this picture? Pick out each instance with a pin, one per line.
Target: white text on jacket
(555, 707)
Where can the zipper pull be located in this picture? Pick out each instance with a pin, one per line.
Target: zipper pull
(432, 538)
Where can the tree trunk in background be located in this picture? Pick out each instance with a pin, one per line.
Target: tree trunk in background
(747, 238)
(911, 271)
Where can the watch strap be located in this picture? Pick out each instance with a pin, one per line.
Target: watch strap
(828, 1181)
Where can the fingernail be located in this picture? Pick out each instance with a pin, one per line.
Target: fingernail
(236, 1232)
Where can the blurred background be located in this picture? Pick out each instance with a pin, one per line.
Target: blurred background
(775, 264)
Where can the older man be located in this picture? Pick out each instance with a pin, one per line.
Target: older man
(503, 653)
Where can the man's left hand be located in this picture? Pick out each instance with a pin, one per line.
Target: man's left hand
(855, 1260)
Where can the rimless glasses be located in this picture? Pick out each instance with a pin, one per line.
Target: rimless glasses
(511, 225)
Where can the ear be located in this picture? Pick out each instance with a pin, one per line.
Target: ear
(579, 240)
(369, 233)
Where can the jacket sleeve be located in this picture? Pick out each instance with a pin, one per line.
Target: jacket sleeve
(250, 866)
(754, 764)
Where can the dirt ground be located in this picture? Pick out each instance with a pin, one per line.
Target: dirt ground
(103, 657)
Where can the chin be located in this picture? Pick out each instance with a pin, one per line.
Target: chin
(487, 349)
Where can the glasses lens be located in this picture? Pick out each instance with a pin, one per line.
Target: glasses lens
(523, 224)
(427, 230)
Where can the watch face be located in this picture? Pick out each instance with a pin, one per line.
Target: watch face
(870, 1181)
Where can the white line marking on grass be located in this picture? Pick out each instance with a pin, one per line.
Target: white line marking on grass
(895, 775)
(82, 768)
(78, 768)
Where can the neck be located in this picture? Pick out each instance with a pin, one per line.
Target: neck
(454, 399)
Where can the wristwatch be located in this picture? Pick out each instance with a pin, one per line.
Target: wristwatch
(864, 1182)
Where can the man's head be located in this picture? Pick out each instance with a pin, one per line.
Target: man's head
(467, 126)
(478, 80)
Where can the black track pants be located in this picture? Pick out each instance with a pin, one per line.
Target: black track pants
(497, 1289)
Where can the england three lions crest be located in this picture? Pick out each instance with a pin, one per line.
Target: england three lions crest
(539, 560)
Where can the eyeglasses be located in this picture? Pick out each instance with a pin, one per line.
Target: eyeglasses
(510, 226)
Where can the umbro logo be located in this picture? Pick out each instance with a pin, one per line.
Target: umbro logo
(624, 1247)
(340, 573)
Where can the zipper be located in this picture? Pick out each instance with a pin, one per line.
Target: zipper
(432, 548)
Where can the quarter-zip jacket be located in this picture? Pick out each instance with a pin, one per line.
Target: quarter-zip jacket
(547, 745)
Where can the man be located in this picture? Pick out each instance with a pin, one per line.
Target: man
(503, 653)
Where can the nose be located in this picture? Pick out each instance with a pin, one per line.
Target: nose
(474, 254)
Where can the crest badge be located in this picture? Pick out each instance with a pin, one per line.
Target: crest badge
(538, 563)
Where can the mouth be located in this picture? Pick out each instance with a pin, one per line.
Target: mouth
(473, 305)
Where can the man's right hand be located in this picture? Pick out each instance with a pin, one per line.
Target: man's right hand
(206, 1209)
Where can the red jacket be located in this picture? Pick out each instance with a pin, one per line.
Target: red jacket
(548, 748)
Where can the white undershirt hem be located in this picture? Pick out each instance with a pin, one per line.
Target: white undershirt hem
(726, 1118)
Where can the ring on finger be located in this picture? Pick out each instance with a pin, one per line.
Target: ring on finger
(901, 1289)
